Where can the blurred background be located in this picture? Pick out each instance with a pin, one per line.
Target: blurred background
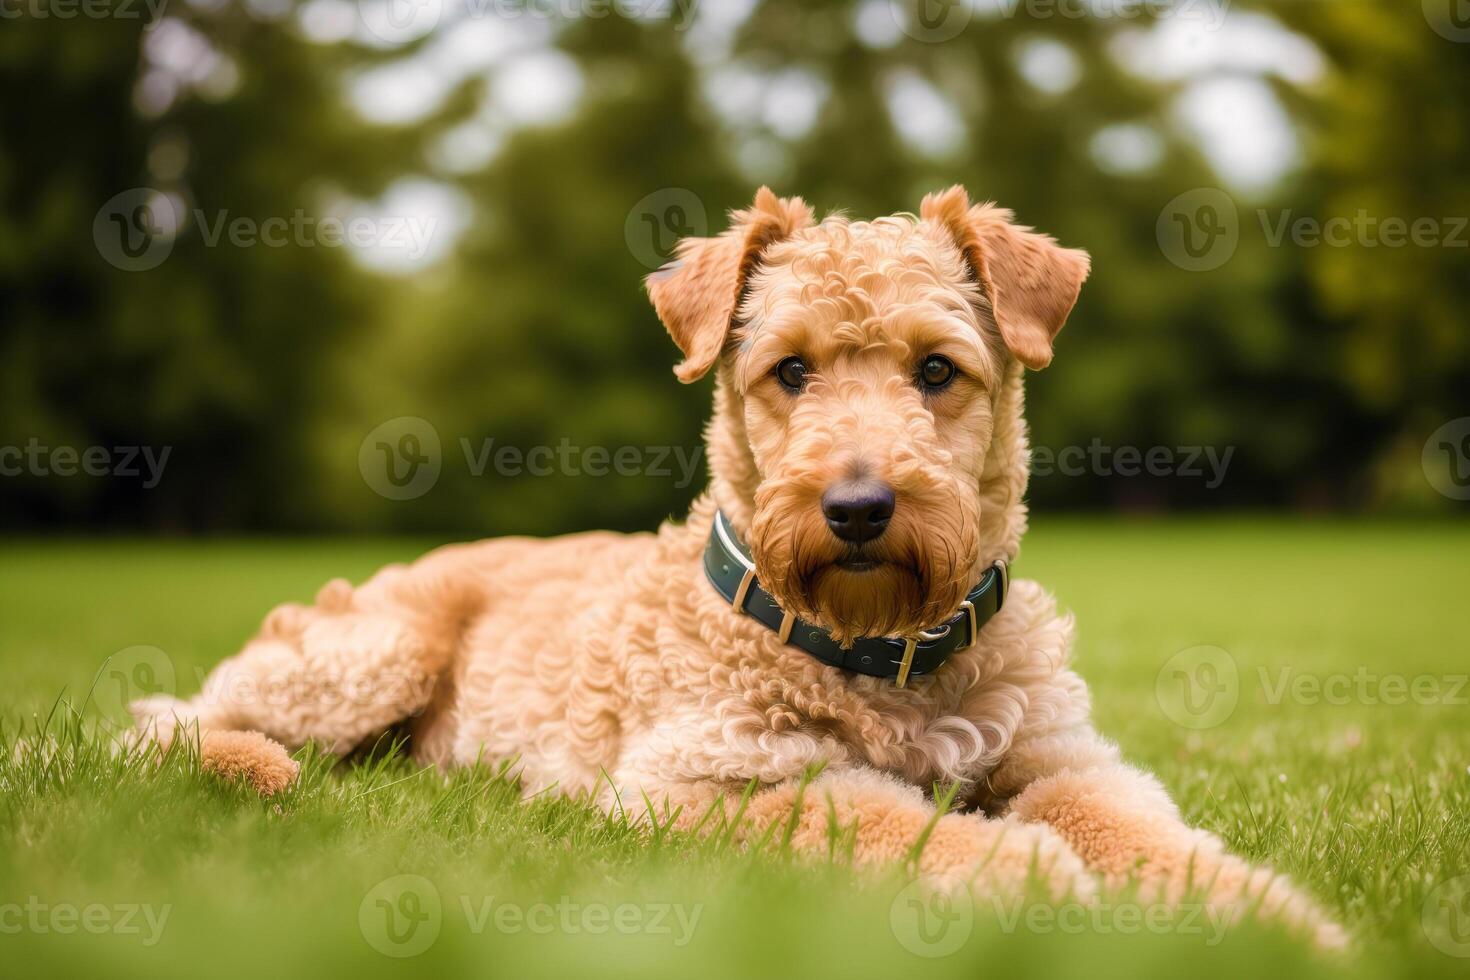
(375, 266)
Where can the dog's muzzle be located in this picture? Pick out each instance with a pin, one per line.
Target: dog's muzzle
(731, 571)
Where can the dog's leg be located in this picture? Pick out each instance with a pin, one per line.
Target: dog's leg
(1122, 823)
(888, 822)
(338, 672)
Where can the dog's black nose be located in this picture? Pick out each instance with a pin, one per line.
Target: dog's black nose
(858, 512)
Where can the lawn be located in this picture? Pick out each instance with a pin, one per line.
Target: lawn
(1300, 688)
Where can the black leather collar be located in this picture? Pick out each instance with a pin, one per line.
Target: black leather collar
(732, 573)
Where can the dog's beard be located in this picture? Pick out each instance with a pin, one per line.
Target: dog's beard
(911, 578)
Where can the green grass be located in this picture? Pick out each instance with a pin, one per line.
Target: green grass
(1367, 803)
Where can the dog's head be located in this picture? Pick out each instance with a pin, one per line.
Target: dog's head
(867, 438)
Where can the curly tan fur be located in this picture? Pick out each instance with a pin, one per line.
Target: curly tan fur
(248, 757)
(608, 665)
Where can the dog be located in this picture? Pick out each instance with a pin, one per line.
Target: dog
(837, 603)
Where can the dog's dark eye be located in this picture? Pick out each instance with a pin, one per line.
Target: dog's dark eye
(791, 373)
(936, 371)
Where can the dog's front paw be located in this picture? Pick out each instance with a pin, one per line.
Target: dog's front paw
(249, 757)
(1006, 858)
(237, 756)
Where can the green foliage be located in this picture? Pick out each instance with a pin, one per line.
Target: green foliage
(263, 368)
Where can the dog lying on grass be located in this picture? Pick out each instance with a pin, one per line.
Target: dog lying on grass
(837, 599)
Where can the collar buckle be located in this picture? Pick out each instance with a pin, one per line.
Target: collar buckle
(968, 608)
(1004, 572)
(910, 644)
(746, 581)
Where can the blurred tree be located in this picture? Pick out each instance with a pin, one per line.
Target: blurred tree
(1321, 369)
(1383, 338)
(220, 352)
(538, 332)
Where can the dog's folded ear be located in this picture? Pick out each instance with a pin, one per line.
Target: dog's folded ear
(696, 294)
(1031, 281)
